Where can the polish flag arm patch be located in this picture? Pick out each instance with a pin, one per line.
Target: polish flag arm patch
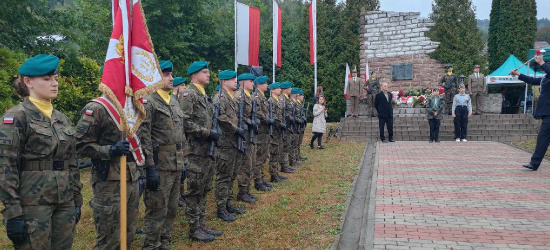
(89, 112)
(185, 94)
(8, 120)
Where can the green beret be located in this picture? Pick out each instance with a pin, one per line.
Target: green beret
(274, 85)
(40, 65)
(301, 92)
(238, 86)
(166, 66)
(261, 80)
(227, 74)
(178, 80)
(101, 70)
(218, 87)
(246, 76)
(295, 91)
(448, 66)
(372, 72)
(286, 85)
(196, 67)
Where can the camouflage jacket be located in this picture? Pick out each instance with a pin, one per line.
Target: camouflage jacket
(277, 111)
(289, 104)
(449, 82)
(95, 133)
(262, 113)
(29, 144)
(197, 119)
(373, 85)
(299, 117)
(163, 125)
(185, 142)
(228, 119)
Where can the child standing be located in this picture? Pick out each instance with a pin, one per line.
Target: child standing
(434, 107)
(462, 109)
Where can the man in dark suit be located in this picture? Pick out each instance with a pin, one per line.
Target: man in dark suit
(384, 108)
(541, 112)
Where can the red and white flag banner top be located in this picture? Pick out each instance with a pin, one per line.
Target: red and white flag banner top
(313, 32)
(131, 69)
(248, 35)
(346, 81)
(277, 24)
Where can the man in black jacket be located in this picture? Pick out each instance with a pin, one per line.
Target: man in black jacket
(383, 106)
(541, 112)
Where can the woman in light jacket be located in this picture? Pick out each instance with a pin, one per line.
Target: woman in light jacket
(319, 122)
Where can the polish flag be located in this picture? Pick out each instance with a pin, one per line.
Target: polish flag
(277, 24)
(248, 35)
(367, 73)
(346, 81)
(313, 32)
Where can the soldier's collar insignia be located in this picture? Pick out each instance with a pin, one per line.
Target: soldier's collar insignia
(89, 112)
(8, 120)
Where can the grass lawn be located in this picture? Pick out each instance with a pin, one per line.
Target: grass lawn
(529, 146)
(303, 212)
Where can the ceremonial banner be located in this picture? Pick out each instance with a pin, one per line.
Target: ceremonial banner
(277, 24)
(346, 81)
(313, 32)
(248, 35)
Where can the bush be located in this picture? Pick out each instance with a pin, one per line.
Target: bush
(10, 61)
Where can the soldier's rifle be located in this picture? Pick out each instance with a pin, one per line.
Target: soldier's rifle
(293, 120)
(215, 124)
(241, 146)
(304, 117)
(449, 83)
(270, 116)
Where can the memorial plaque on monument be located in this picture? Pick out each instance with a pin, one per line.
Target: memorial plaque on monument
(402, 71)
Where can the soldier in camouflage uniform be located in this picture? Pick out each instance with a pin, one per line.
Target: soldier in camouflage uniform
(162, 128)
(197, 120)
(296, 117)
(276, 142)
(228, 155)
(304, 124)
(372, 87)
(39, 178)
(262, 139)
(99, 138)
(244, 175)
(450, 83)
(284, 160)
(179, 87)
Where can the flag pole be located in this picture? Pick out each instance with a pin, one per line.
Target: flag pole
(315, 43)
(236, 46)
(123, 224)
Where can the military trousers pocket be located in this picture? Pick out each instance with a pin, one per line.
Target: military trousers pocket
(99, 208)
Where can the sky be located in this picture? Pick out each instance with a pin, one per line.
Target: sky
(483, 7)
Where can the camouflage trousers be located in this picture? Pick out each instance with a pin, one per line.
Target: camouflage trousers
(200, 171)
(49, 226)
(285, 151)
(449, 95)
(293, 149)
(300, 141)
(370, 104)
(275, 152)
(106, 207)
(262, 153)
(226, 171)
(244, 170)
(161, 208)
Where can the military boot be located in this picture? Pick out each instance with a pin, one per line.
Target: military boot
(199, 235)
(282, 177)
(224, 215)
(303, 158)
(211, 231)
(267, 184)
(235, 210)
(287, 170)
(275, 178)
(261, 187)
(245, 197)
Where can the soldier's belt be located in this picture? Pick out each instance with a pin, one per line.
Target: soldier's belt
(55, 165)
(172, 147)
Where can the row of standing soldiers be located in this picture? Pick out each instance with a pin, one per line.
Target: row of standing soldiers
(185, 135)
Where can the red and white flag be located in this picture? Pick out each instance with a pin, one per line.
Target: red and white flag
(131, 68)
(346, 81)
(277, 24)
(313, 32)
(248, 35)
(367, 73)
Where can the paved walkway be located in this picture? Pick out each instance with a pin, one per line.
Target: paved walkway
(454, 195)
